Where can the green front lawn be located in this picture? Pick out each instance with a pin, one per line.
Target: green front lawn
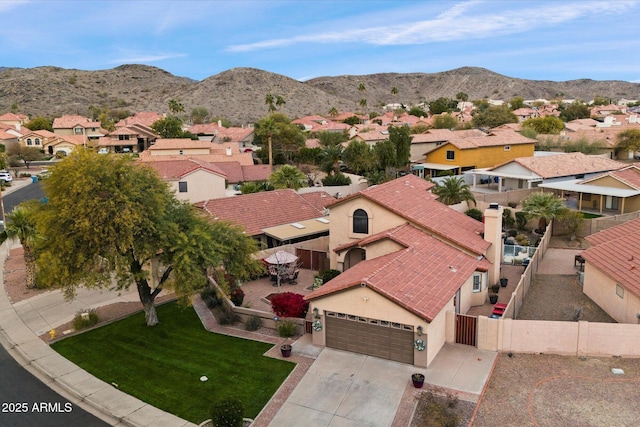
(162, 365)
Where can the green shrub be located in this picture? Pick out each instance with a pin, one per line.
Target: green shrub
(522, 240)
(512, 233)
(82, 321)
(507, 220)
(521, 220)
(512, 205)
(227, 316)
(253, 323)
(336, 180)
(286, 329)
(210, 297)
(474, 213)
(327, 275)
(227, 413)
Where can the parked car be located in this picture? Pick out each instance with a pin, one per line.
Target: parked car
(103, 150)
(5, 176)
(44, 174)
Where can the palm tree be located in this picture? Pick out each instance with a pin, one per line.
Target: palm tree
(280, 101)
(452, 191)
(333, 112)
(288, 177)
(20, 225)
(545, 206)
(330, 158)
(270, 101)
(268, 128)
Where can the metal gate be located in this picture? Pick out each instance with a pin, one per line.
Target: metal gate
(466, 329)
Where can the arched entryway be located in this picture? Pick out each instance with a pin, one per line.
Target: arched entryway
(353, 257)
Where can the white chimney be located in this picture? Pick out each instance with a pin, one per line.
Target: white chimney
(493, 234)
(219, 123)
(228, 151)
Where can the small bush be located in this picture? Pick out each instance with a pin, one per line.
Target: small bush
(327, 275)
(253, 324)
(210, 297)
(237, 297)
(286, 329)
(512, 233)
(81, 322)
(227, 316)
(289, 304)
(227, 413)
(522, 240)
(336, 180)
(474, 213)
(495, 288)
(521, 220)
(508, 221)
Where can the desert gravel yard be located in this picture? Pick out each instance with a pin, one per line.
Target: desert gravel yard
(560, 297)
(549, 390)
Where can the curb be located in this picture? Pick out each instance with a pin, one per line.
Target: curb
(69, 380)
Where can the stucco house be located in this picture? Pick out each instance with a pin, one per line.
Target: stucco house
(63, 144)
(409, 264)
(128, 139)
(462, 153)
(78, 126)
(614, 192)
(37, 139)
(612, 271)
(192, 180)
(176, 148)
(533, 171)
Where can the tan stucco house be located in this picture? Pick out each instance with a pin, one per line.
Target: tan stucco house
(612, 271)
(192, 180)
(409, 262)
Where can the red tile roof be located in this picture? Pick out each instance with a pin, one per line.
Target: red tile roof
(410, 198)
(257, 211)
(255, 172)
(71, 121)
(146, 118)
(422, 278)
(616, 252)
(566, 164)
(175, 169)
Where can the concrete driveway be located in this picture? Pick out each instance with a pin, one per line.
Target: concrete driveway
(344, 389)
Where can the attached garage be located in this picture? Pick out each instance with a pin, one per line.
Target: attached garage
(373, 337)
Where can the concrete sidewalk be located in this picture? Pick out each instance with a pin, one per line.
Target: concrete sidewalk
(20, 339)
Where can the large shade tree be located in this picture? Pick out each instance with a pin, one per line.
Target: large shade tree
(109, 222)
(545, 207)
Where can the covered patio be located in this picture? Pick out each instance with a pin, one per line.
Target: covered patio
(431, 170)
(593, 198)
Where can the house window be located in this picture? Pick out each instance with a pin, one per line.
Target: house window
(181, 152)
(360, 222)
(37, 141)
(77, 131)
(477, 283)
(507, 148)
(451, 155)
(123, 137)
(182, 186)
(620, 291)
(29, 141)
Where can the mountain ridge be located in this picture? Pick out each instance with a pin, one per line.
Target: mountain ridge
(238, 94)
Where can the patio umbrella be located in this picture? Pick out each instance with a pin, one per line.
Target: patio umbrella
(281, 257)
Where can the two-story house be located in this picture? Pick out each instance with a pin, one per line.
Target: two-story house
(461, 153)
(81, 126)
(409, 264)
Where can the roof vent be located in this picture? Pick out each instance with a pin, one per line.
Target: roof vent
(494, 206)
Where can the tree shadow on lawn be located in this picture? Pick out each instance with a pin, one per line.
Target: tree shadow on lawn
(162, 365)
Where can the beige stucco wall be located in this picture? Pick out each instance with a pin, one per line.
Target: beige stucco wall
(493, 234)
(341, 218)
(602, 290)
(563, 338)
(201, 185)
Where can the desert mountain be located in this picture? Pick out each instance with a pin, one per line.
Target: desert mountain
(238, 94)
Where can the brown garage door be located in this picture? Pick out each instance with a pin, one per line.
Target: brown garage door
(378, 338)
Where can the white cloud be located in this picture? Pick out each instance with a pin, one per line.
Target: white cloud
(463, 21)
(135, 58)
(10, 4)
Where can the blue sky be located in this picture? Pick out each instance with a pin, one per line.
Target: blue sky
(539, 40)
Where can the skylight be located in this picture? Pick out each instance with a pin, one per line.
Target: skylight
(297, 225)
